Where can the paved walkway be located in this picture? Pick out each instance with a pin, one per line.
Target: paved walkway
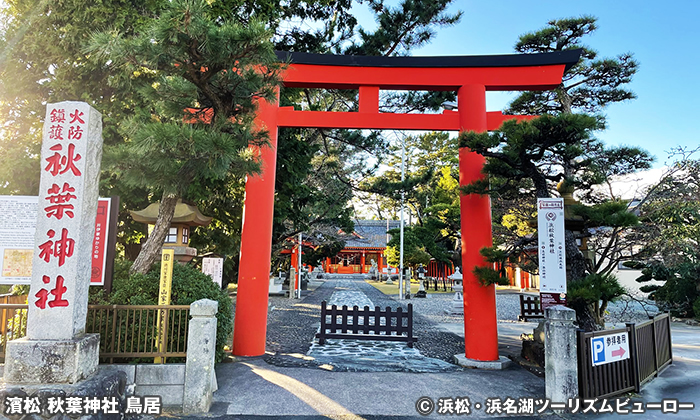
(369, 355)
(356, 379)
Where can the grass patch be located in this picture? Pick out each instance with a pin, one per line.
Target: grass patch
(393, 289)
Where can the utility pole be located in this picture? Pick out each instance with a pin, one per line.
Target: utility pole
(298, 286)
(403, 177)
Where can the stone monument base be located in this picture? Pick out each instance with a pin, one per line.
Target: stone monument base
(110, 385)
(51, 361)
(502, 362)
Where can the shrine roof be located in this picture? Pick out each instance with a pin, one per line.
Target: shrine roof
(569, 58)
(370, 233)
(184, 214)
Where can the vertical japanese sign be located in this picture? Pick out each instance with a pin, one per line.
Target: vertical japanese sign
(167, 260)
(99, 243)
(551, 251)
(166, 276)
(214, 268)
(71, 153)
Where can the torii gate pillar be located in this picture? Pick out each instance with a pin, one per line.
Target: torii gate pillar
(480, 325)
(250, 324)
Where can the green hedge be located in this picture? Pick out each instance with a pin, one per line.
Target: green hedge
(189, 285)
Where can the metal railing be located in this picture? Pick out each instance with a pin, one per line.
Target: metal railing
(14, 324)
(126, 331)
(650, 353)
(134, 331)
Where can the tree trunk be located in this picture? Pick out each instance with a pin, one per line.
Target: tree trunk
(150, 251)
(588, 315)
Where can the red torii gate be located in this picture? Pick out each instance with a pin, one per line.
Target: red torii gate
(470, 77)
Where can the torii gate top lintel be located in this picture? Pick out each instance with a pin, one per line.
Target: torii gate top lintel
(495, 72)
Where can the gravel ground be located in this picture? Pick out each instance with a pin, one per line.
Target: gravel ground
(292, 324)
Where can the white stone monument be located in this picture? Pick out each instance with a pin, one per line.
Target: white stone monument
(56, 348)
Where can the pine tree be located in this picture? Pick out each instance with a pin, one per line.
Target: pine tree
(587, 87)
(199, 78)
(526, 160)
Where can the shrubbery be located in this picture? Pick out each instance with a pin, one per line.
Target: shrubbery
(680, 292)
(189, 285)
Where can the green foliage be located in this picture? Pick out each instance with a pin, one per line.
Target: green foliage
(594, 288)
(608, 214)
(188, 286)
(587, 87)
(414, 252)
(431, 194)
(198, 78)
(41, 60)
(696, 308)
(670, 215)
(488, 275)
(670, 236)
(529, 157)
(681, 288)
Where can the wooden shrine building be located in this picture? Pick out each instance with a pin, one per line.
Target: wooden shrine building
(365, 244)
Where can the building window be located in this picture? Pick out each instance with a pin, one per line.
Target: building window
(171, 238)
(185, 235)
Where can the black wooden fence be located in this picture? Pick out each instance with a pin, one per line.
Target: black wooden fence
(650, 353)
(366, 324)
(653, 340)
(530, 308)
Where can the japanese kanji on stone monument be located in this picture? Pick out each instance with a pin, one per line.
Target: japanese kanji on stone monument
(56, 348)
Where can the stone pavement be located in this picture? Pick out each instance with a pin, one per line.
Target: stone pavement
(253, 387)
(370, 355)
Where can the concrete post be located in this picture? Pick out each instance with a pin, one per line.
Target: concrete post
(201, 346)
(561, 367)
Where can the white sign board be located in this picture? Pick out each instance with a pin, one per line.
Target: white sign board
(610, 348)
(551, 249)
(214, 268)
(17, 230)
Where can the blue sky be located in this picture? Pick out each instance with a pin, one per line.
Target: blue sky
(663, 36)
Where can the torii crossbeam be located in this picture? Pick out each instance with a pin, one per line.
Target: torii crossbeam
(470, 77)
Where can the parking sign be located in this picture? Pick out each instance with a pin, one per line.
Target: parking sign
(610, 348)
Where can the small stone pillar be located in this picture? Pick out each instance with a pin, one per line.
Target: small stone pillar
(561, 367)
(200, 382)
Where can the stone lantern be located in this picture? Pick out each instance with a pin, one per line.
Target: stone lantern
(458, 301)
(421, 278)
(186, 216)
